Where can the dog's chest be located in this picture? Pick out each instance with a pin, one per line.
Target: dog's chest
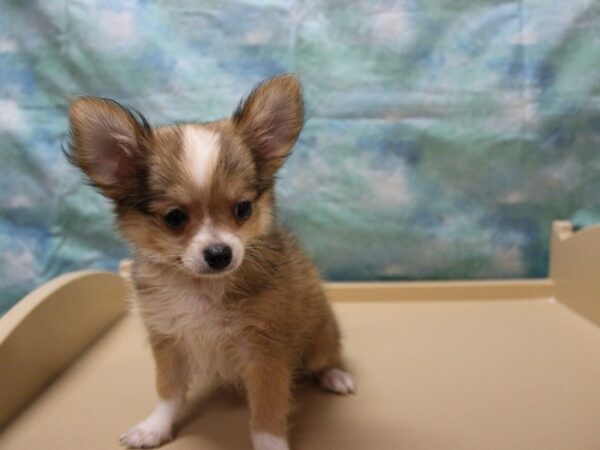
(195, 317)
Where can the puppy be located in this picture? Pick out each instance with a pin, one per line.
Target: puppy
(223, 289)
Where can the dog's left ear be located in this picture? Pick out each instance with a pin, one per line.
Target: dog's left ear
(270, 121)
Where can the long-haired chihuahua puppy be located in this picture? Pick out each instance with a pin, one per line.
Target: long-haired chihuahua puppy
(222, 288)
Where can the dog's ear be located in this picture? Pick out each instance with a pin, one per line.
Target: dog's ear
(270, 120)
(109, 144)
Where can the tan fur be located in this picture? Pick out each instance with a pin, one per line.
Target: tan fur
(268, 382)
(260, 326)
(171, 368)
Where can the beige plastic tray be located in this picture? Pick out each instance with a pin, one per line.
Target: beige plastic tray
(447, 365)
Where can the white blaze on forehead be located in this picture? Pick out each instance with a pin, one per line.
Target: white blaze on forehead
(201, 148)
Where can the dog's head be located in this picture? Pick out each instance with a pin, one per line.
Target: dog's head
(190, 196)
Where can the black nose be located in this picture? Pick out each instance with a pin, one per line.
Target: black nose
(217, 256)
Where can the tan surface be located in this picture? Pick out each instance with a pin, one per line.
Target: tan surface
(575, 269)
(50, 327)
(469, 365)
(451, 375)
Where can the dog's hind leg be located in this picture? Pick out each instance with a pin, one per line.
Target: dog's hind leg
(323, 360)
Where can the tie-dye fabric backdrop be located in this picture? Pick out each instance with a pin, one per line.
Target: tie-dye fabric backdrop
(443, 136)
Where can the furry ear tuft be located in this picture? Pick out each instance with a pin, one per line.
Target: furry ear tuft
(270, 120)
(108, 143)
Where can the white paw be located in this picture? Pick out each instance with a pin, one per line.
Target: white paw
(267, 441)
(146, 435)
(338, 381)
(156, 428)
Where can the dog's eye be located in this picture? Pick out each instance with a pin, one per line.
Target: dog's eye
(242, 210)
(175, 218)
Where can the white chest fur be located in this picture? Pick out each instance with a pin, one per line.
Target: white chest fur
(192, 314)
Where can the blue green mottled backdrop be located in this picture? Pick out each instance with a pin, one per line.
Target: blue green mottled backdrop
(443, 136)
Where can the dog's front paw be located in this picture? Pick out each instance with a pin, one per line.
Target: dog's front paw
(267, 441)
(337, 381)
(146, 434)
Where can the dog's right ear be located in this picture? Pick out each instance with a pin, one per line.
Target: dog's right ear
(109, 144)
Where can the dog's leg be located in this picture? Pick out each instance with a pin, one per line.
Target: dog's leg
(171, 383)
(323, 357)
(268, 387)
